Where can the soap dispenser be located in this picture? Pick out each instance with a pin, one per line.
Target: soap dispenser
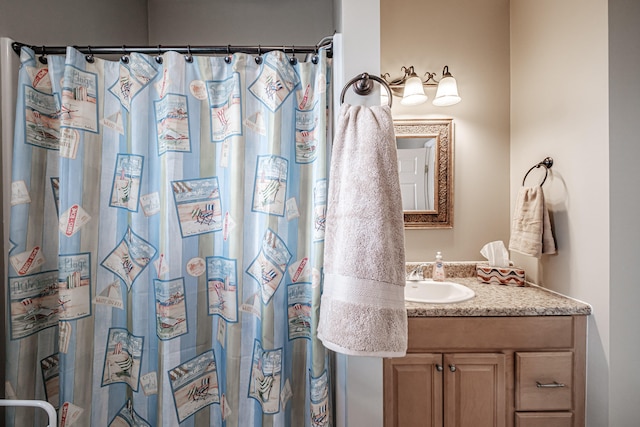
(438, 268)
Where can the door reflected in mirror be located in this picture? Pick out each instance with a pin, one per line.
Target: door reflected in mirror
(416, 159)
(425, 164)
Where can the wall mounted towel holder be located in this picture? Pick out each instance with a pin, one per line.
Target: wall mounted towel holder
(363, 85)
(547, 163)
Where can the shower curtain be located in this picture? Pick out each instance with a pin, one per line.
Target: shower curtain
(166, 242)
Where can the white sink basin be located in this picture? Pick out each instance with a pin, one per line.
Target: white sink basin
(436, 292)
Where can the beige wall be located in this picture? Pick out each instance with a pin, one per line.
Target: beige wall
(472, 38)
(559, 108)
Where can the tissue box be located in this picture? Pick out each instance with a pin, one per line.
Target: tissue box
(510, 276)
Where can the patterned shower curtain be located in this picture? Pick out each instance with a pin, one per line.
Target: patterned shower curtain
(166, 243)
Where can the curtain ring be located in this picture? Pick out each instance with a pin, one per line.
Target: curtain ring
(315, 58)
(43, 56)
(227, 58)
(188, 57)
(90, 59)
(125, 57)
(159, 57)
(293, 60)
(259, 58)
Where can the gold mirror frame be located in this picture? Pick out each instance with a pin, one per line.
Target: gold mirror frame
(441, 129)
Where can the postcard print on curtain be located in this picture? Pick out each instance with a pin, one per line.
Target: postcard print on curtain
(167, 229)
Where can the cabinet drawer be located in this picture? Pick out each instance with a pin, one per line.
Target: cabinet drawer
(544, 419)
(544, 381)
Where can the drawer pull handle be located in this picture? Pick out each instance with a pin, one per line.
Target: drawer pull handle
(554, 384)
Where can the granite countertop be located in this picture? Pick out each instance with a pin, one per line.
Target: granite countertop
(494, 299)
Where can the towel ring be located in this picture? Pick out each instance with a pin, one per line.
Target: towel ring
(362, 85)
(547, 163)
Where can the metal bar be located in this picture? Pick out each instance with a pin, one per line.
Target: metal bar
(51, 412)
(326, 42)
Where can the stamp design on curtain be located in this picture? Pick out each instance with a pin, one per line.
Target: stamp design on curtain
(122, 359)
(222, 288)
(194, 384)
(198, 205)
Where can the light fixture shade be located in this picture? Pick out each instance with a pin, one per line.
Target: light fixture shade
(447, 93)
(413, 92)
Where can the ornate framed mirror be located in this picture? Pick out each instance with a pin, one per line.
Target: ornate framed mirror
(425, 163)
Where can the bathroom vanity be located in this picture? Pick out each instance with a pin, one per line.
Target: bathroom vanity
(511, 356)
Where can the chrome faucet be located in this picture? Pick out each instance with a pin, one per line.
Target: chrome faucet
(417, 273)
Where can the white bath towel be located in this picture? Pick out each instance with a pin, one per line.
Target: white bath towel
(531, 232)
(362, 310)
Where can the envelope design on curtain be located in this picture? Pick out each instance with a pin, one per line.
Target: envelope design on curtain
(222, 288)
(320, 414)
(42, 125)
(195, 384)
(74, 286)
(125, 189)
(198, 205)
(226, 108)
(269, 265)
(34, 303)
(122, 359)
(299, 310)
(171, 308)
(172, 119)
(270, 185)
(130, 257)
(319, 209)
(266, 377)
(135, 74)
(79, 100)
(276, 81)
(306, 139)
(128, 416)
(50, 367)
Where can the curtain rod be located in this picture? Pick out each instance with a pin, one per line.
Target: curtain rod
(195, 50)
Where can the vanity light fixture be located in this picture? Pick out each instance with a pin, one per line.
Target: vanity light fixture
(410, 87)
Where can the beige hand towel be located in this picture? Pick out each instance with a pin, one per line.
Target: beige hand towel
(531, 232)
(362, 309)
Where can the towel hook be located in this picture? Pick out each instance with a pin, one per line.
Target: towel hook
(547, 163)
(363, 85)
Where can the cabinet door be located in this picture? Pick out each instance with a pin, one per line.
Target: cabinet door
(413, 391)
(544, 381)
(475, 390)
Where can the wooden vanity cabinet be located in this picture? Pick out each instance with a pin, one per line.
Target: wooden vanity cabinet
(465, 389)
(488, 371)
(413, 390)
